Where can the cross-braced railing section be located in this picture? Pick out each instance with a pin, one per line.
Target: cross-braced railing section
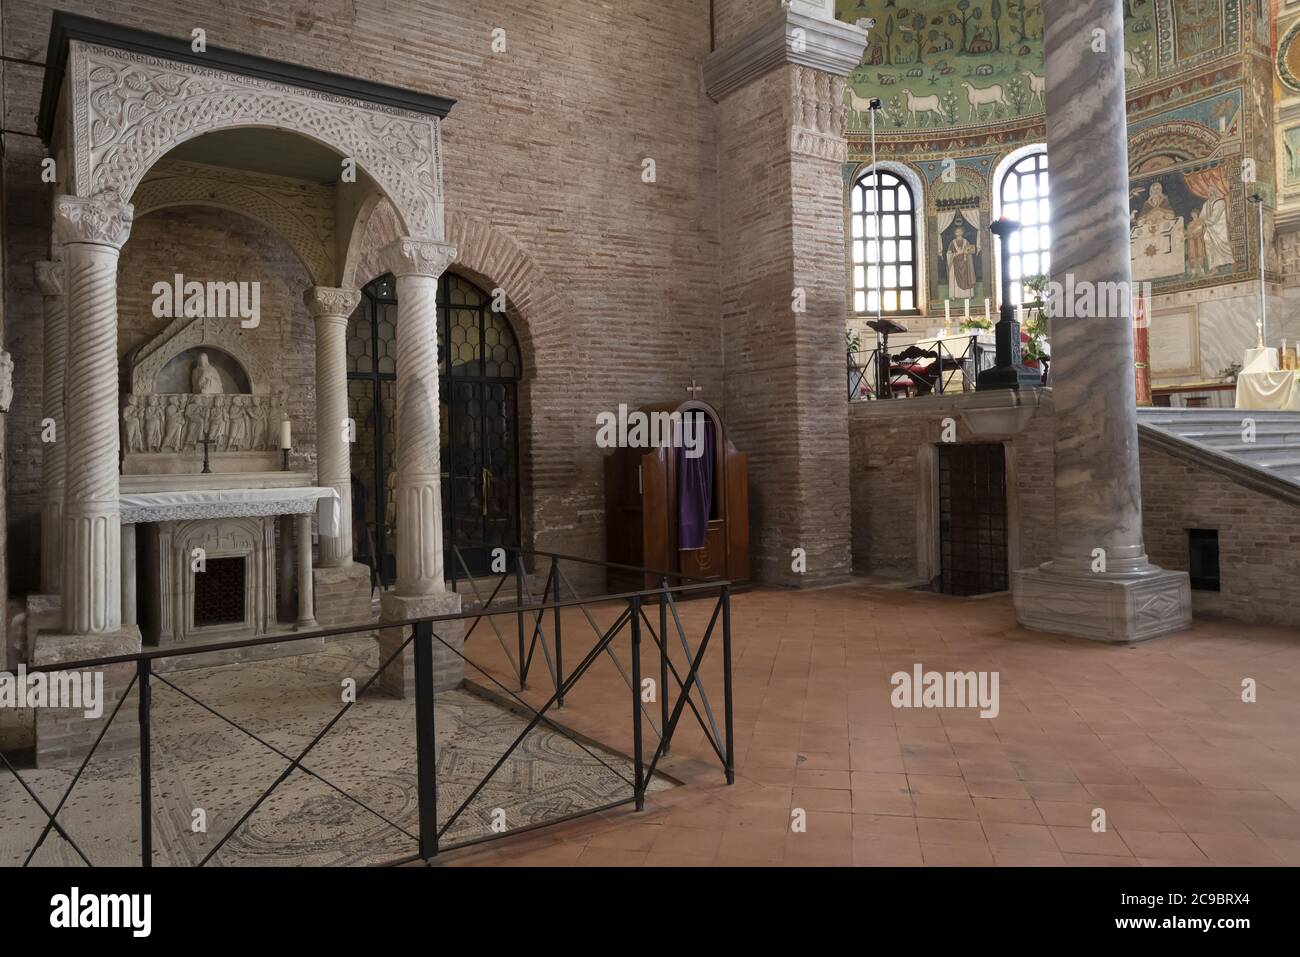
(636, 645)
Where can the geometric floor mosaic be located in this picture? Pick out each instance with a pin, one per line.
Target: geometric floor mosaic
(208, 771)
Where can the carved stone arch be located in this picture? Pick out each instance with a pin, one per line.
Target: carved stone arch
(129, 109)
(222, 335)
(301, 214)
(493, 259)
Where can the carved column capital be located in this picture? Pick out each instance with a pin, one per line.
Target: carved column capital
(50, 277)
(418, 257)
(99, 220)
(330, 302)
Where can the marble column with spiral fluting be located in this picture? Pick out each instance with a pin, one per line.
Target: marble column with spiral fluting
(416, 265)
(92, 231)
(54, 359)
(420, 590)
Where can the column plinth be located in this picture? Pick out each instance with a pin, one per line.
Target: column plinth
(1099, 583)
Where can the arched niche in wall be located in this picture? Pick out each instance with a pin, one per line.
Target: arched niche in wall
(163, 364)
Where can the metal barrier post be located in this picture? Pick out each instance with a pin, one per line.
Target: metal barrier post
(519, 617)
(638, 785)
(559, 642)
(726, 681)
(426, 755)
(142, 670)
(663, 663)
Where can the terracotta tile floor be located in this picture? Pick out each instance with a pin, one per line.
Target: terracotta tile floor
(1155, 734)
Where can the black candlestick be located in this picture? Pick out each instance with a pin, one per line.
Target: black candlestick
(284, 464)
(1007, 372)
(205, 442)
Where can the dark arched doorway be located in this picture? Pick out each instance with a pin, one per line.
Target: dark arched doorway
(479, 365)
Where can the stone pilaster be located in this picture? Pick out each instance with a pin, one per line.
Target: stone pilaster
(330, 310)
(1099, 583)
(54, 356)
(420, 590)
(92, 231)
(780, 89)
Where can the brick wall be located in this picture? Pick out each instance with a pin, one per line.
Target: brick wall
(781, 228)
(211, 244)
(543, 150)
(887, 483)
(1259, 536)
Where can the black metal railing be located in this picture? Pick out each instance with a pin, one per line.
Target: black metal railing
(940, 366)
(630, 627)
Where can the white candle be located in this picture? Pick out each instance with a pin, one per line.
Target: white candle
(286, 442)
(947, 311)
(1020, 312)
(986, 309)
(965, 304)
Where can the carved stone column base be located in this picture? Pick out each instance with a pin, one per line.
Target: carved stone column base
(1105, 609)
(343, 595)
(65, 735)
(44, 613)
(398, 678)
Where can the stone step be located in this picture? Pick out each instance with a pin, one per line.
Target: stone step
(1233, 440)
(1276, 451)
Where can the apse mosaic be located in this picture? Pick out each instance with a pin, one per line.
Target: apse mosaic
(958, 63)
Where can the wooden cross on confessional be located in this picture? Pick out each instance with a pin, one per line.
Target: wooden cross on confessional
(694, 389)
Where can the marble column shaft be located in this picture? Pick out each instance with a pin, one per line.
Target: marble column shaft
(417, 264)
(1099, 583)
(330, 309)
(92, 231)
(54, 359)
(1098, 485)
(306, 598)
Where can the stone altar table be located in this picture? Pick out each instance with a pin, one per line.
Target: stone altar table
(1261, 384)
(209, 553)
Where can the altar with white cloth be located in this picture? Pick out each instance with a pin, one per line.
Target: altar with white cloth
(1262, 384)
(208, 552)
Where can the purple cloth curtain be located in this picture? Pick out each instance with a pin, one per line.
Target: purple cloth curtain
(695, 485)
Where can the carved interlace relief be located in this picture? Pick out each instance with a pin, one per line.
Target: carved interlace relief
(129, 109)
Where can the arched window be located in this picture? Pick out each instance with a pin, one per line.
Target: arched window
(1024, 198)
(884, 266)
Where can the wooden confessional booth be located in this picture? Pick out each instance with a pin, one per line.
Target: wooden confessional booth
(642, 509)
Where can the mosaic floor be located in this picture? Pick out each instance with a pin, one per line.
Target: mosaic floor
(205, 769)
